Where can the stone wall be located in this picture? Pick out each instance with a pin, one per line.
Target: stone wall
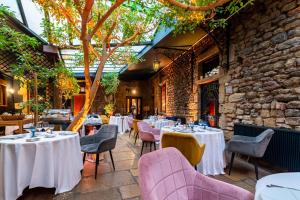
(262, 83)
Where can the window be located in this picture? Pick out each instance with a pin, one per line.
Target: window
(3, 96)
(163, 98)
(210, 67)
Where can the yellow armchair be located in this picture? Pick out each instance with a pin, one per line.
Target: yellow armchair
(105, 119)
(187, 144)
(135, 129)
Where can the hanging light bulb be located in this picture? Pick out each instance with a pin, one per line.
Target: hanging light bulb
(156, 64)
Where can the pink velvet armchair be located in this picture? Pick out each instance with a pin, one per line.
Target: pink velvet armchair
(130, 124)
(166, 174)
(148, 134)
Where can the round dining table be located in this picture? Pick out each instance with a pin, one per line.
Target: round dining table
(49, 161)
(278, 187)
(121, 122)
(213, 159)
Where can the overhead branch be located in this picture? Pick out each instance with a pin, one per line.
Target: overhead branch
(125, 42)
(105, 16)
(208, 7)
(110, 30)
(78, 7)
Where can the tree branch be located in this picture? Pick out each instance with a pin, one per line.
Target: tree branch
(210, 6)
(126, 41)
(105, 16)
(78, 7)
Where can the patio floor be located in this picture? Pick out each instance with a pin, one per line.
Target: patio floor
(123, 183)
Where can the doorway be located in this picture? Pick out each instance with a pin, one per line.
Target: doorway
(134, 106)
(210, 103)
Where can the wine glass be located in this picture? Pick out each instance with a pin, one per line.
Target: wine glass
(39, 127)
(51, 128)
(178, 121)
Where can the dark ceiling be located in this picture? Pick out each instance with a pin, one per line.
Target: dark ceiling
(165, 50)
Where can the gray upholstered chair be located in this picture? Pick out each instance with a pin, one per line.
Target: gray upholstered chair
(104, 140)
(254, 147)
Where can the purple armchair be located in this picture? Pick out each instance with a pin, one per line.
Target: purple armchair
(166, 174)
(130, 124)
(148, 134)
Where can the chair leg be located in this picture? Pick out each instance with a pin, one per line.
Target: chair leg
(255, 167)
(136, 136)
(154, 146)
(150, 146)
(142, 148)
(231, 162)
(84, 155)
(96, 167)
(112, 160)
(129, 132)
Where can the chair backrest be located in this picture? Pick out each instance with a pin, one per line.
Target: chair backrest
(145, 131)
(187, 144)
(109, 128)
(108, 132)
(263, 141)
(130, 122)
(134, 125)
(156, 170)
(166, 174)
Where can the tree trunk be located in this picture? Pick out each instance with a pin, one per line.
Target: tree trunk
(89, 95)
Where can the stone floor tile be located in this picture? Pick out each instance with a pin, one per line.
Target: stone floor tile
(111, 194)
(129, 191)
(105, 181)
(134, 172)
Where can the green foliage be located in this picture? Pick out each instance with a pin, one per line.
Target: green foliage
(66, 81)
(110, 82)
(109, 109)
(40, 106)
(28, 57)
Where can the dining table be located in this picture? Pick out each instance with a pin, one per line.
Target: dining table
(213, 160)
(49, 160)
(159, 123)
(121, 122)
(278, 187)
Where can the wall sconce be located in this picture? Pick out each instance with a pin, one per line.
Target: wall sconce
(82, 89)
(156, 64)
(133, 91)
(10, 90)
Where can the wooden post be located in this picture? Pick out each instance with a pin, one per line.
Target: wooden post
(35, 93)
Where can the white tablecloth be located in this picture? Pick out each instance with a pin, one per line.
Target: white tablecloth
(121, 122)
(50, 163)
(285, 180)
(159, 123)
(213, 160)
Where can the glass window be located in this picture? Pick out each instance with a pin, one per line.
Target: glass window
(13, 6)
(34, 16)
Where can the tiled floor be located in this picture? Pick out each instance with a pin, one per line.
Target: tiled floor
(123, 183)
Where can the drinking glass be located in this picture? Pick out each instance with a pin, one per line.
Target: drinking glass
(178, 121)
(51, 127)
